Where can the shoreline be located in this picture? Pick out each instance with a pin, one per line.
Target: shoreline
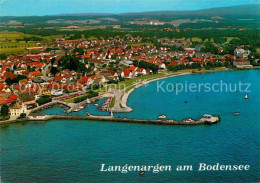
(124, 97)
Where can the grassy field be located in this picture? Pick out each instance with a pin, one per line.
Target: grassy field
(229, 39)
(183, 38)
(71, 100)
(112, 102)
(6, 36)
(15, 47)
(200, 40)
(196, 39)
(140, 44)
(10, 45)
(129, 82)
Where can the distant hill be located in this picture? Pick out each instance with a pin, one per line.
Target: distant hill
(244, 15)
(84, 14)
(252, 9)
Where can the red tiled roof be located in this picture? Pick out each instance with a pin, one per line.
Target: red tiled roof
(58, 78)
(126, 71)
(34, 72)
(132, 68)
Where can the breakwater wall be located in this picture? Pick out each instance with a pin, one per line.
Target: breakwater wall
(203, 120)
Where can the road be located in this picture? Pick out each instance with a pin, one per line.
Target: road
(45, 77)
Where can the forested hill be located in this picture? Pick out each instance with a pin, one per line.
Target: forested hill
(252, 9)
(244, 15)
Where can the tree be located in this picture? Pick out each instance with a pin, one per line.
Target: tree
(44, 99)
(14, 67)
(10, 81)
(4, 110)
(52, 61)
(22, 115)
(54, 70)
(79, 51)
(72, 63)
(3, 56)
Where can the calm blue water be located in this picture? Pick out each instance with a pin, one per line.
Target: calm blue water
(73, 151)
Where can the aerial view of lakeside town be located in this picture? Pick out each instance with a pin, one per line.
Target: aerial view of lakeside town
(88, 70)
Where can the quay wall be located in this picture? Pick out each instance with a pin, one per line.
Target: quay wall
(112, 119)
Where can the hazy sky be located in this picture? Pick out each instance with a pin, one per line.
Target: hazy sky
(51, 7)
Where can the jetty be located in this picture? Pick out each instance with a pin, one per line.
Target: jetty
(71, 106)
(207, 120)
(54, 102)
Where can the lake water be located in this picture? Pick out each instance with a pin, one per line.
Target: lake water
(73, 151)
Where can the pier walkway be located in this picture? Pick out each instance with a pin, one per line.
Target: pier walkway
(70, 105)
(202, 120)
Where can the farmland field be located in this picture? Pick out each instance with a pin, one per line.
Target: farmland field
(12, 42)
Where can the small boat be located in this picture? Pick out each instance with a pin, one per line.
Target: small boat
(76, 110)
(142, 173)
(236, 113)
(246, 96)
(95, 104)
(162, 117)
(189, 120)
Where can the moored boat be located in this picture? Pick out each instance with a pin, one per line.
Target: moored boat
(162, 117)
(188, 120)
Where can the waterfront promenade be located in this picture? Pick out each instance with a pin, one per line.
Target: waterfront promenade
(121, 96)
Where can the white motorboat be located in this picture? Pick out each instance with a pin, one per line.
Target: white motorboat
(162, 117)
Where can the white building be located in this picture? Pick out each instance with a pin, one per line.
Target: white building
(18, 109)
(241, 53)
(37, 116)
(57, 92)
